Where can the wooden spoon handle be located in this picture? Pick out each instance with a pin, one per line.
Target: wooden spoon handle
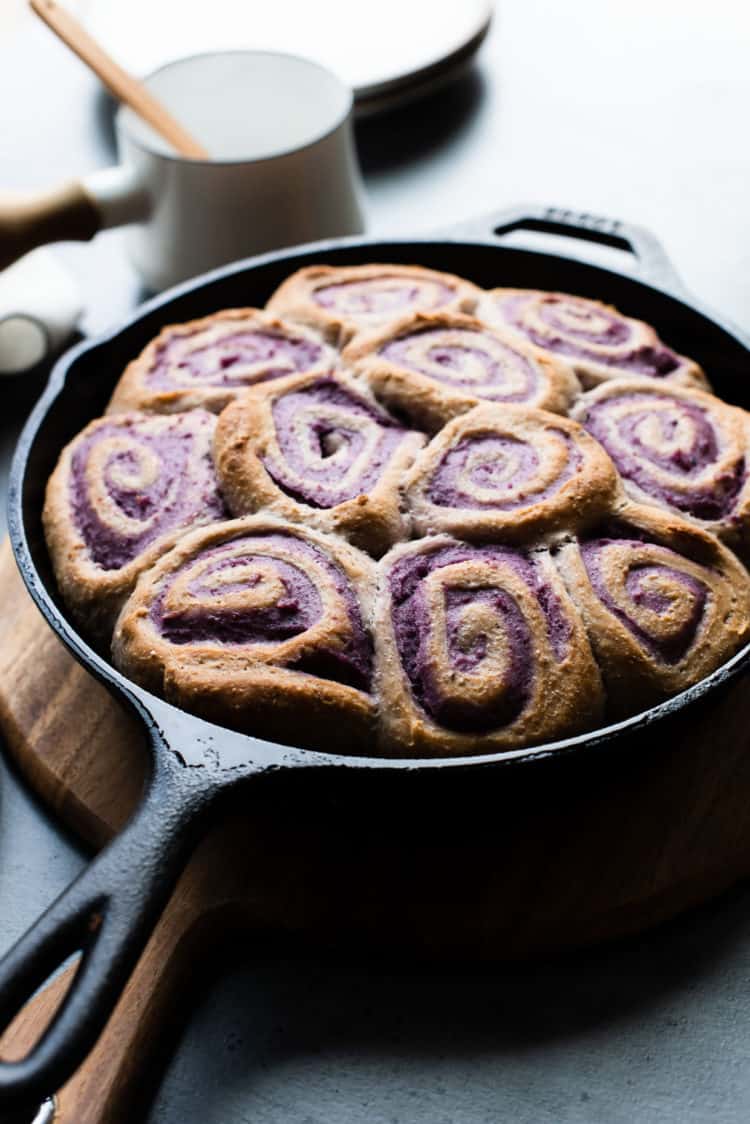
(122, 85)
(66, 213)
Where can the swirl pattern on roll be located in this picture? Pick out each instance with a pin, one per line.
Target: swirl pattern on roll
(597, 340)
(664, 603)
(526, 588)
(341, 301)
(209, 362)
(249, 609)
(319, 451)
(478, 646)
(433, 368)
(122, 491)
(678, 448)
(507, 473)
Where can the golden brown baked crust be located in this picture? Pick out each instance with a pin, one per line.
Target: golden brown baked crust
(261, 625)
(595, 338)
(543, 597)
(274, 703)
(123, 492)
(509, 474)
(479, 649)
(664, 603)
(319, 451)
(433, 368)
(210, 361)
(343, 300)
(679, 449)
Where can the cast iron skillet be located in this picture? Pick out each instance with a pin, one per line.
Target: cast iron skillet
(109, 912)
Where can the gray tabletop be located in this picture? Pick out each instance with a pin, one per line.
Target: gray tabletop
(637, 111)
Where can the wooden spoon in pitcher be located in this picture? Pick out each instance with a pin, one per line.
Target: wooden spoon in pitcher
(122, 85)
(67, 212)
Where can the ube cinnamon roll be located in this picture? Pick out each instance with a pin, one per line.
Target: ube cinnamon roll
(340, 301)
(209, 362)
(479, 650)
(258, 625)
(664, 603)
(677, 448)
(123, 492)
(320, 451)
(594, 338)
(432, 368)
(509, 473)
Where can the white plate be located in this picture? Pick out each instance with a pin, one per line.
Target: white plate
(383, 49)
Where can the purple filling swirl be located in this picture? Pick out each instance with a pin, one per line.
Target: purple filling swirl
(667, 446)
(384, 296)
(331, 444)
(236, 358)
(581, 329)
(498, 473)
(238, 569)
(469, 638)
(653, 585)
(133, 481)
(467, 360)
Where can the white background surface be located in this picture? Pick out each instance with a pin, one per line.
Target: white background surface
(368, 43)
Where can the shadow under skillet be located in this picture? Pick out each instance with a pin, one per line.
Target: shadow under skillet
(411, 132)
(293, 1038)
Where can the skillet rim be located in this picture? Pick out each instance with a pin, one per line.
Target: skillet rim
(154, 711)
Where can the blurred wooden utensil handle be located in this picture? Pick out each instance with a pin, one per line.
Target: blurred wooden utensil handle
(64, 213)
(71, 212)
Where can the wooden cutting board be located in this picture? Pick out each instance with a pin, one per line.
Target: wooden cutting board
(579, 864)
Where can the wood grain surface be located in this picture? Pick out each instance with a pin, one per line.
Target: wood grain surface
(564, 866)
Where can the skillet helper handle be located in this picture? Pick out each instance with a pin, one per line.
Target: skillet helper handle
(108, 915)
(64, 213)
(653, 261)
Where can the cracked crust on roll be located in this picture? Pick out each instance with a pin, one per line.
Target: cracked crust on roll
(319, 451)
(504, 473)
(432, 368)
(211, 361)
(259, 625)
(340, 301)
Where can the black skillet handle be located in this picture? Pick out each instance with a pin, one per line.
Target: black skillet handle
(107, 914)
(654, 265)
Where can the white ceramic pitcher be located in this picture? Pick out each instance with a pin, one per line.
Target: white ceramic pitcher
(283, 170)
